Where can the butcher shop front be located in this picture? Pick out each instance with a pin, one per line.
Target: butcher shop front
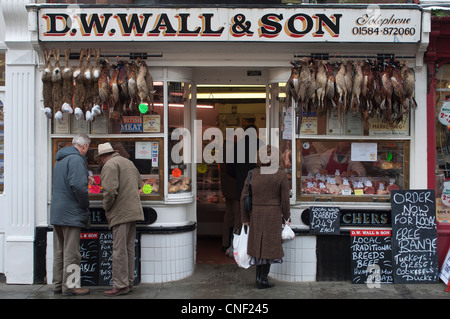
(156, 81)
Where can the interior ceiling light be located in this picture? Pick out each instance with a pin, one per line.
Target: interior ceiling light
(231, 95)
(230, 85)
(200, 106)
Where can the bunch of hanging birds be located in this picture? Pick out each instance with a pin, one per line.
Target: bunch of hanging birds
(383, 88)
(94, 85)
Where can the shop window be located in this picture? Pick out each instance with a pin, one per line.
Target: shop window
(132, 123)
(442, 99)
(140, 118)
(144, 153)
(179, 170)
(2, 69)
(355, 170)
(2, 147)
(349, 147)
(366, 111)
(111, 108)
(278, 102)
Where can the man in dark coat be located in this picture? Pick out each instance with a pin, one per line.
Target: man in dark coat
(69, 212)
(246, 160)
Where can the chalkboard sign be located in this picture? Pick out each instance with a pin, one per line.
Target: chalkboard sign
(89, 259)
(414, 236)
(324, 220)
(371, 256)
(96, 259)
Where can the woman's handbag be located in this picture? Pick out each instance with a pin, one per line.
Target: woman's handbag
(287, 233)
(240, 248)
(248, 195)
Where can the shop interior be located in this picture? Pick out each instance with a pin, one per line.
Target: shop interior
(221, 106)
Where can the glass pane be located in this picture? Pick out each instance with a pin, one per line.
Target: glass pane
(285, 118)
(113, 106)
(369, 168)
(179, 99)
(365, 112)
(144, 153)
(137, 117)
(2, 147)
(2, 69)
(442, 131)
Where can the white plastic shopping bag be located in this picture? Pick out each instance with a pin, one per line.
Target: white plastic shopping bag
(287, 233)
(240, 248)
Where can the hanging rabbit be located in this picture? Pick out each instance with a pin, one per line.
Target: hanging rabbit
(96, 73)
(89, 86)
(57, 87)
(47, 85)
(79, 93)
(67, 76)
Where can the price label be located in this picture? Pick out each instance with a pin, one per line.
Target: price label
(176, 172)
(147, 189)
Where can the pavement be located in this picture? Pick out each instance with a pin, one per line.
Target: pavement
(219, 282)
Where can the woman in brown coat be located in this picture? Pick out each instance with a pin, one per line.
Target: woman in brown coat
(270, 209)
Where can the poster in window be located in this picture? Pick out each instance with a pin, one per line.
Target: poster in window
(152, 123)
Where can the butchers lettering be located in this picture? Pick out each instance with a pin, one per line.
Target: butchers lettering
(184, 24)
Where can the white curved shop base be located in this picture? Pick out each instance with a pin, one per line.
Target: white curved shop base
(167, 257)
(299, 261)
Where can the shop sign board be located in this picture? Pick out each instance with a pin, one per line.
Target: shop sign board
(296, 24)
(131, 124)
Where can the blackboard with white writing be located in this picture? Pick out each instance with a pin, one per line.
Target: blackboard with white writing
(371, 256)
(89, 259)
(414, 236)
(96, 259)
(324, 220)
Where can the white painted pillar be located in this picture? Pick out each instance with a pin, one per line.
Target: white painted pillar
(20, 170)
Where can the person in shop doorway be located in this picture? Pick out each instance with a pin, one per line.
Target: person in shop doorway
(232, 216)
(240, 167)
(69, 212)
(122, 204)
(270, 209)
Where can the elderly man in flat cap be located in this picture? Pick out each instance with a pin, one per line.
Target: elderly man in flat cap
(121, 182)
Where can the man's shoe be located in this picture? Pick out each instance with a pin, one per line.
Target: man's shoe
(117, 291)
(76, 292)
